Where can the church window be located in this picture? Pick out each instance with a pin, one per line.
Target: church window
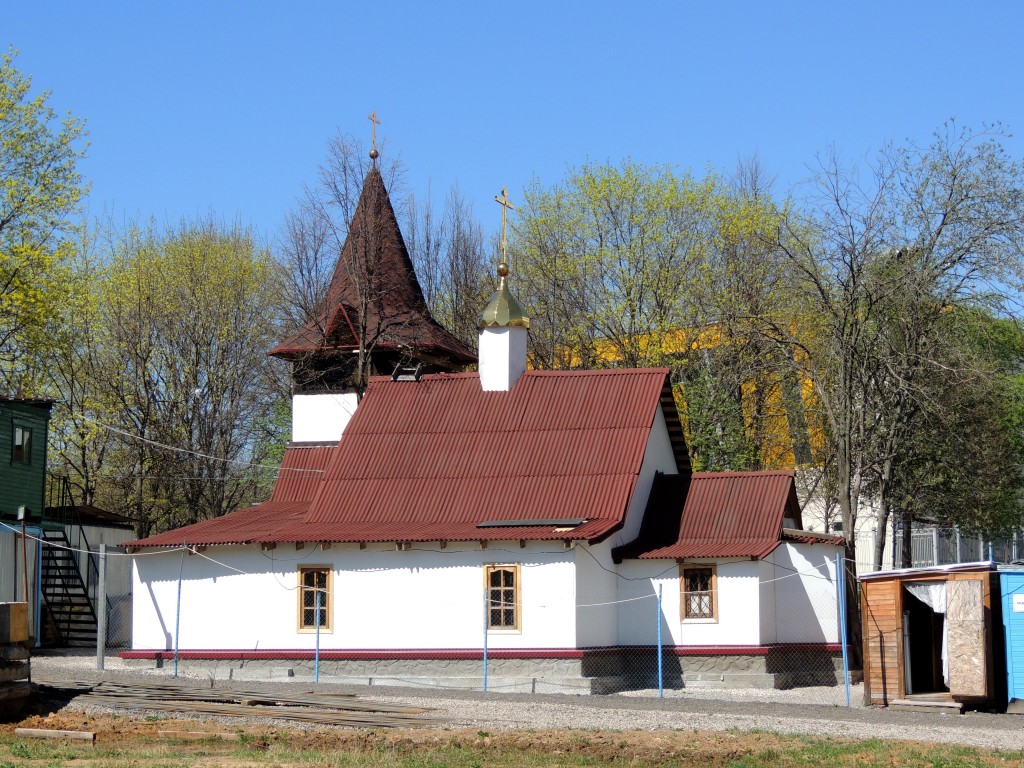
(503, 606)
(314, 581)
(699, 588)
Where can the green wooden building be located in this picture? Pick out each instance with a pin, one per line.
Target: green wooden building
(23, 440)
(23, 430)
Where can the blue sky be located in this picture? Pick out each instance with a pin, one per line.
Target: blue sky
(227, 107)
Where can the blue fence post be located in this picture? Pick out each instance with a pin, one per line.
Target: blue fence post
(661, 663)
(841, 599)
(101, 608)
(177, 611)
(316, 660)
(485, 638)
(39, 587)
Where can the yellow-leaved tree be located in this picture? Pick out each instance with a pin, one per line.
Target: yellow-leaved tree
(40, 187)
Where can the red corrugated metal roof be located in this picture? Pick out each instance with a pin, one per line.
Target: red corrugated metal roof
(430, 460)
(264, 522)
(812, 537)
(731, 514)
(302, 469)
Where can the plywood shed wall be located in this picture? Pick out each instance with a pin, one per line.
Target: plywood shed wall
(969, 622)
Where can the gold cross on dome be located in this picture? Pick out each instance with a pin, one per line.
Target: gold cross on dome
(506, 206)
(374, 122)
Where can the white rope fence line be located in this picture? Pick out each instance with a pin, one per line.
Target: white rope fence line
(193, 549)
(48, 543)
(165, 446)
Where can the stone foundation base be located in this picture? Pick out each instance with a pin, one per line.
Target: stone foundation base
(583, 671)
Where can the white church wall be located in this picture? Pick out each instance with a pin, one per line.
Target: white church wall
(805, 592)
(739, 615)
(382, 598)
(596, 595)
(321, 417)
(658, 457)
(767, 597)
(638, 601)
(738, 621)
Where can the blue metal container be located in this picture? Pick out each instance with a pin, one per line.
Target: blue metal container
(1012, 588)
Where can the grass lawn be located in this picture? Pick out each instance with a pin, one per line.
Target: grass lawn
(143, 743)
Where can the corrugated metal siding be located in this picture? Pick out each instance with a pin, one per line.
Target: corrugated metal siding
(731, 514)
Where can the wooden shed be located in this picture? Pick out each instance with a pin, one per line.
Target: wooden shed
(928, 636)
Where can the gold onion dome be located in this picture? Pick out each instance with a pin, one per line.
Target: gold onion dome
(502, 310)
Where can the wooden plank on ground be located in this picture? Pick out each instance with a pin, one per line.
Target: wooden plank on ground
(323, 709)
(46, 733)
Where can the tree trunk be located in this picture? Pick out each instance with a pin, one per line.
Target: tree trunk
(853, 619)
(907, 548)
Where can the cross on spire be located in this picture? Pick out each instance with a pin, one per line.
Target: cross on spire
(506, 206)
(374, 122)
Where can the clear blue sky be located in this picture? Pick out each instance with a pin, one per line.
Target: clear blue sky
(227, 106)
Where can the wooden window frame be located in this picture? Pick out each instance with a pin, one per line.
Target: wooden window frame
(517, 605)
(25, 443)
(303, 590)
(713, 584)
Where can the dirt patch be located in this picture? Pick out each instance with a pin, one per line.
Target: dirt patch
(686, 748)
(708, 749)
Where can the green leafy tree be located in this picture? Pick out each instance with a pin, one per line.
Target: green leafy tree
(171, 395)
(40, 188)
(631, 265)
(962, 462)
(603, 260)
(874, 260)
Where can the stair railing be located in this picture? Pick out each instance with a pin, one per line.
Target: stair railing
(68, 516)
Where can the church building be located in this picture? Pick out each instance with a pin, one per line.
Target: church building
(429, 518)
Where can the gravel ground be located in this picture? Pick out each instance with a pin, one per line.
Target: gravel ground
(809, 711)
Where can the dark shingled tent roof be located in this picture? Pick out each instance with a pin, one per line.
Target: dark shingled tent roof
(397, 316)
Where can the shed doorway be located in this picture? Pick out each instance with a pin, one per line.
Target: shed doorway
(926, 658)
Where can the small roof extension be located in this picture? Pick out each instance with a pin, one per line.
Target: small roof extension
(720, 514)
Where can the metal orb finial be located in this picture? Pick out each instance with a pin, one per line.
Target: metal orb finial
(374, 122)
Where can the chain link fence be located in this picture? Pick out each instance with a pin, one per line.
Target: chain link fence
(76, 595)
(730, 624)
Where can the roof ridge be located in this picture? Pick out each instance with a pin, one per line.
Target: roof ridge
(546, 373)
(747, 473)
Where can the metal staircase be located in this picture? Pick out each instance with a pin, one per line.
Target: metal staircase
(67, 598)
(71, 611)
